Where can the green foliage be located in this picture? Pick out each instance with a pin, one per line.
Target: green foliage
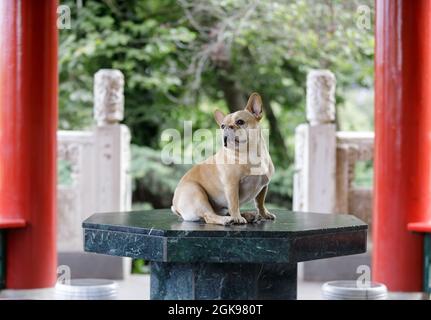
(183, 59)
(140, 266)
(281, 188)
(142, 39)
(154, 181)
(356, 113)
(64, 170)
(364, 174)
(146, 163)
(172, 60)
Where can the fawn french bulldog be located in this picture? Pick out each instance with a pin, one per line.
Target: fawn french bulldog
(239, 172)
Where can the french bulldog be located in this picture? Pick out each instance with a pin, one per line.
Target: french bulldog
(239, 172)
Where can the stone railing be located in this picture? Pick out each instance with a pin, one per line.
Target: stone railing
(325, 159)
(353, 147)
(97, 161)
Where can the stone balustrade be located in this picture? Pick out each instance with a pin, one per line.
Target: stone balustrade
(325, 159)
(324, 179)
(98, 164)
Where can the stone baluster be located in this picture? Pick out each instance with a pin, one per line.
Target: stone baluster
(112, 142)
(315, 147)
(99, 160)
(320, 97)
(108, 96)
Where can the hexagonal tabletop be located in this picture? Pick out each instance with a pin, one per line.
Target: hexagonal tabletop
(159, 235)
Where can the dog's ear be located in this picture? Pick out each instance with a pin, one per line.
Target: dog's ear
(219, 116)
(254, 105)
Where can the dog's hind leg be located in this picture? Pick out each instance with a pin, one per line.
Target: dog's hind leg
(175, 211)
(192, 203)
(213, 218)
(251, 216)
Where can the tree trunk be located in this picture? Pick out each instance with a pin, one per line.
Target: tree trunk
(236, 100)
(276, 139)
(233, 95)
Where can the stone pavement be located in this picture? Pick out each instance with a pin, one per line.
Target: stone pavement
(137, 287)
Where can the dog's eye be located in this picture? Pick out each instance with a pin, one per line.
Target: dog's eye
(240, 122)
(222, 126)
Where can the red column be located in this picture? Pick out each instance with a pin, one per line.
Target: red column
(402, 186)
(28, 124)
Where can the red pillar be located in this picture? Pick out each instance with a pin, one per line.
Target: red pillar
(402, 186)
(28, 124)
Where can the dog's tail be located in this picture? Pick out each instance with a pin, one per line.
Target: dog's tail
(175, 211)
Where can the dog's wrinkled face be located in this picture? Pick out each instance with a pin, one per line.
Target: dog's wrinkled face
(239, 128)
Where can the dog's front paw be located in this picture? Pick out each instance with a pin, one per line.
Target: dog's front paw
(239, 220)
(267, 215)
(226, 220)
(250, 216)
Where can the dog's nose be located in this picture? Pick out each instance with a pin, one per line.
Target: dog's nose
(231, 127)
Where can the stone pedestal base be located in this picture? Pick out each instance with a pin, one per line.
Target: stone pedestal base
(225, 281)
(195, 260)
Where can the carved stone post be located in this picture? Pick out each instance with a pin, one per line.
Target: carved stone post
(320, 97)
(99, 161)
(315, 147)
(112, 143)
(108, 96)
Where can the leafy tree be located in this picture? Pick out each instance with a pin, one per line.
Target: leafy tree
(184, 58)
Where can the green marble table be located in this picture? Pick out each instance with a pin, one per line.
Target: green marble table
(194, 260)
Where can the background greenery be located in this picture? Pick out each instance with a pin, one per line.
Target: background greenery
(182, 59)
